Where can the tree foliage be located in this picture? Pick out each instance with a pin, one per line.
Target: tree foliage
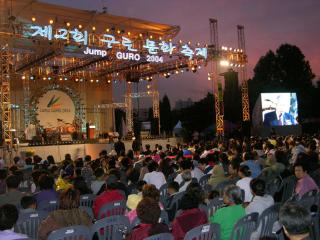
(285, 70)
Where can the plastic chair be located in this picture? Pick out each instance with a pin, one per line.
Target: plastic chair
(114, 227)
(112, 209)
(161, 236)
(214, 205)
(243, 229)
(88, 210)
(205, 231)
(315, 226)
(163, 193)
(223, 184)
(287, 188)
(308, 200)
(267, 219)
(204, 180)
(175, 203)
(28, 223)
(49, 206)
(72, 232)
(86, 200)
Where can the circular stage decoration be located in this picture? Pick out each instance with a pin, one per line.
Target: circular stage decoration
(56, 109)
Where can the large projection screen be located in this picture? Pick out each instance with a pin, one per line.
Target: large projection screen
(279, 109)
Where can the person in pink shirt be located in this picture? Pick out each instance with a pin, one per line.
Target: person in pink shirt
(305, 182)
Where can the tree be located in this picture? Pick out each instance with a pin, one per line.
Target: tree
(286, 70)
(165, 115)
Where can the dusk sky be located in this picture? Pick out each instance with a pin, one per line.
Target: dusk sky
(268, 23)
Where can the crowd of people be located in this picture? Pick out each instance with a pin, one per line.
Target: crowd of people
(245, 174)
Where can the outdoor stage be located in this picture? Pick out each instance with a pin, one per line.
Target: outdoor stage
(80, 150)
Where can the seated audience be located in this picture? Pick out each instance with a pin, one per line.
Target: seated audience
(172, 190)
(190, 217)
(13, 195)
(3, 176)
(217, 176)
(188, 165)
(99, 181)
(254, 166)
(68, 214)
(244, 182)
(28, 204)
(204, 166)
(228, 216)
(80, 184)
(47, 193)
(110, 194)
(296, 221)
(148, 212)
(261, 200)
(154, 176)
(8, 218)
(187, 178)
(305, 182)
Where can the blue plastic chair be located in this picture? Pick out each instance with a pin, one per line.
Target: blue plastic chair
(204, 180)
(86, 200)
(214, 205)
(161, 236)
(114, 227)
(112, 209)
(164, 218)
(267, 219)
(206, 231)
(72, 232)
(49, 206)
(28, 223)
(244, 228)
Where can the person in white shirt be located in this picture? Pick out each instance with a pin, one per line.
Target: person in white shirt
(153, 176)
(187, 178)
(99, 181)
(261, 200)
(244, 183)
(188, 165)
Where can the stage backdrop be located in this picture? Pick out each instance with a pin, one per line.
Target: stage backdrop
(55, 109)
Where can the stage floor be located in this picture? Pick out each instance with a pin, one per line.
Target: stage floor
(80, 150)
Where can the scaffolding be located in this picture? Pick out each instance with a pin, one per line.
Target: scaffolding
(5, 57)
(243, 77)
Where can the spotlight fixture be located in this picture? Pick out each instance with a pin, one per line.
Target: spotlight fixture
(93, 28)
(68, 24)
(31, 77)
(97, 80)
(65, 78)
(91, 80)
(80, 26)
(23, 77)
(51, 21)
(33, 19)
(109, 81)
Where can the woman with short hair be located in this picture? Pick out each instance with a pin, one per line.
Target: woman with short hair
(228, 216)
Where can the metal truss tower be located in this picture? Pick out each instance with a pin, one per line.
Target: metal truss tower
(243, 77)
(5, 93)
(217, 91)
(129, 112)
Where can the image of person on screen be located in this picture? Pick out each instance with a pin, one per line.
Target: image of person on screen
(280, 116)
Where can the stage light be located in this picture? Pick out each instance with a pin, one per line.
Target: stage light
(140, 34)
(51, 21)
(93, 28)
(23, 77)
(109, 81)
(147, 78)
(129, 82)
(181, 70)
(198, 44)
(189, 43)
(150, 78)
(49, 78)
(180, 41)
(151, 36)
(170, 40)
(81, 79)
(160, 38)
(97, 80)
(230, 49)
(209, 78)
(118, 31)
(91, 80)
(129, 33)
(199, 67)
(80, 26)
(32, 77)
(76, 80)
(33, 19)
(224, 63)
(177, 72)
(107, 30)
(68, 24)
(65, 78)
(148, 86)
(44, 78)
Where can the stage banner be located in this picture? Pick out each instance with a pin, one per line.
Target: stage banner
(55, 109)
